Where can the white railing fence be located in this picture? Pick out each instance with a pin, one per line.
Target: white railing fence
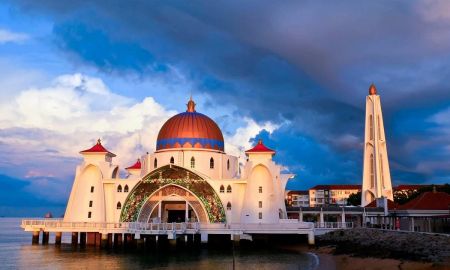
(333, 225)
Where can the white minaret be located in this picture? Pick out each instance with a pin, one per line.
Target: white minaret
(376, 173)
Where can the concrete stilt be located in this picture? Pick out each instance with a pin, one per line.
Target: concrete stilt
(104, 240)
(58, 236)
(140, 243)
(74, 238)
(117, 240)
(204, 238)
(45, 238)
(82, 239)
(311, 238)
(236, 239)
(35, 239)
(110, 240)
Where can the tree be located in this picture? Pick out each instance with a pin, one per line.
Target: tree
(354, 199)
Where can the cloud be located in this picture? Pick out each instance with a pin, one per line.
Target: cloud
(8, 36)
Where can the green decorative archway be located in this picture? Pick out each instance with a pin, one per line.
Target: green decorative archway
(167, 175)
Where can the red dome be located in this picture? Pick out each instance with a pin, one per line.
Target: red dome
(190, 129)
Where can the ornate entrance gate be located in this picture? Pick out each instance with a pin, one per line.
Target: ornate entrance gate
(173, 180)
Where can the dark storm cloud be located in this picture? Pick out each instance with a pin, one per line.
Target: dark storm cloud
(307, 62)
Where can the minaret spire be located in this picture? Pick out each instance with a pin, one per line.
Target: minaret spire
(376, 173)
(190, 105)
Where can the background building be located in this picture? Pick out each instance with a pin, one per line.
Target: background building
(322, 195)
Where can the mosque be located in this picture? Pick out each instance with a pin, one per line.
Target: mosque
(189, 178)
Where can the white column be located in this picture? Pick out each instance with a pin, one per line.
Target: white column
(300, 215)
(343, 218)
(159, 211)
(186, 217)
(412, 224)
(321, 218)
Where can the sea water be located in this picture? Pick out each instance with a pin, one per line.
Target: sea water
(17, 252)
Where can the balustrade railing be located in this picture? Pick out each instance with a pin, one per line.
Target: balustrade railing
(333, 225)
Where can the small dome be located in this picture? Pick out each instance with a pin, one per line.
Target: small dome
(190, 129)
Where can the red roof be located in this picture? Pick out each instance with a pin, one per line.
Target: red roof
(327, 187)
(428, 201)
(260, 148)
(136, 166)
(391, 204)
(97, 148)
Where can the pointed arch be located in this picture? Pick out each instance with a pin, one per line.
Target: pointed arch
(125, 189)
(192, 162)
(172, 160)
(119, 206)
(211, 163)
(228, 165)
(155, 163)
(228, 189)
(119, 188)
(228, 206)
(222, 189)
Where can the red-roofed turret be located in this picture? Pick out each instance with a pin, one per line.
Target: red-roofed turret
(260, 148)
(136, 166)
(97, 149)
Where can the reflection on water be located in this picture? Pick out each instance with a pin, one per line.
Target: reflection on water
(16, 251)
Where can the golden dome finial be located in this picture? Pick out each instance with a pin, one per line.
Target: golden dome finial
(372, 89)
(260, 141)
(191, 105)
(99, 142)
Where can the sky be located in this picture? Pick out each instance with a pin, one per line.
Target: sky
(293, 73)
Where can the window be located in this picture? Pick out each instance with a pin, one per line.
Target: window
(229, 189)
(260, 189)
(228, 164)
(260, 215)
(119, 188)
(372, 174)
(155, 163)
(119, 205)
(89, 214)
(192, 162)
(172, 160)
(260, 204)
(222, 189)
(125, 189)
(92, 189)
(90, 203)
(370, 127)
(228, 206)
(211, 163)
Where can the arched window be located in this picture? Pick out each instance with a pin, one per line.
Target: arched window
(372, 173)
(229, 189)
(119, 188)
(192, 162)
(125, 189)
(222, 189)
(260, 189)
(228, 206)
(228, 165)
(119, 205)
(370, 127)
(211, 163)
(172, 160)
(155, 163)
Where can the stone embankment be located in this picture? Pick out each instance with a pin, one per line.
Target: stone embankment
(389, 244)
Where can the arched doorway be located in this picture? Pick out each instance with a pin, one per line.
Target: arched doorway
(173, 180)
(173, 203)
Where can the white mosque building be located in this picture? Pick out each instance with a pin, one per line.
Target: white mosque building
(189, 177)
